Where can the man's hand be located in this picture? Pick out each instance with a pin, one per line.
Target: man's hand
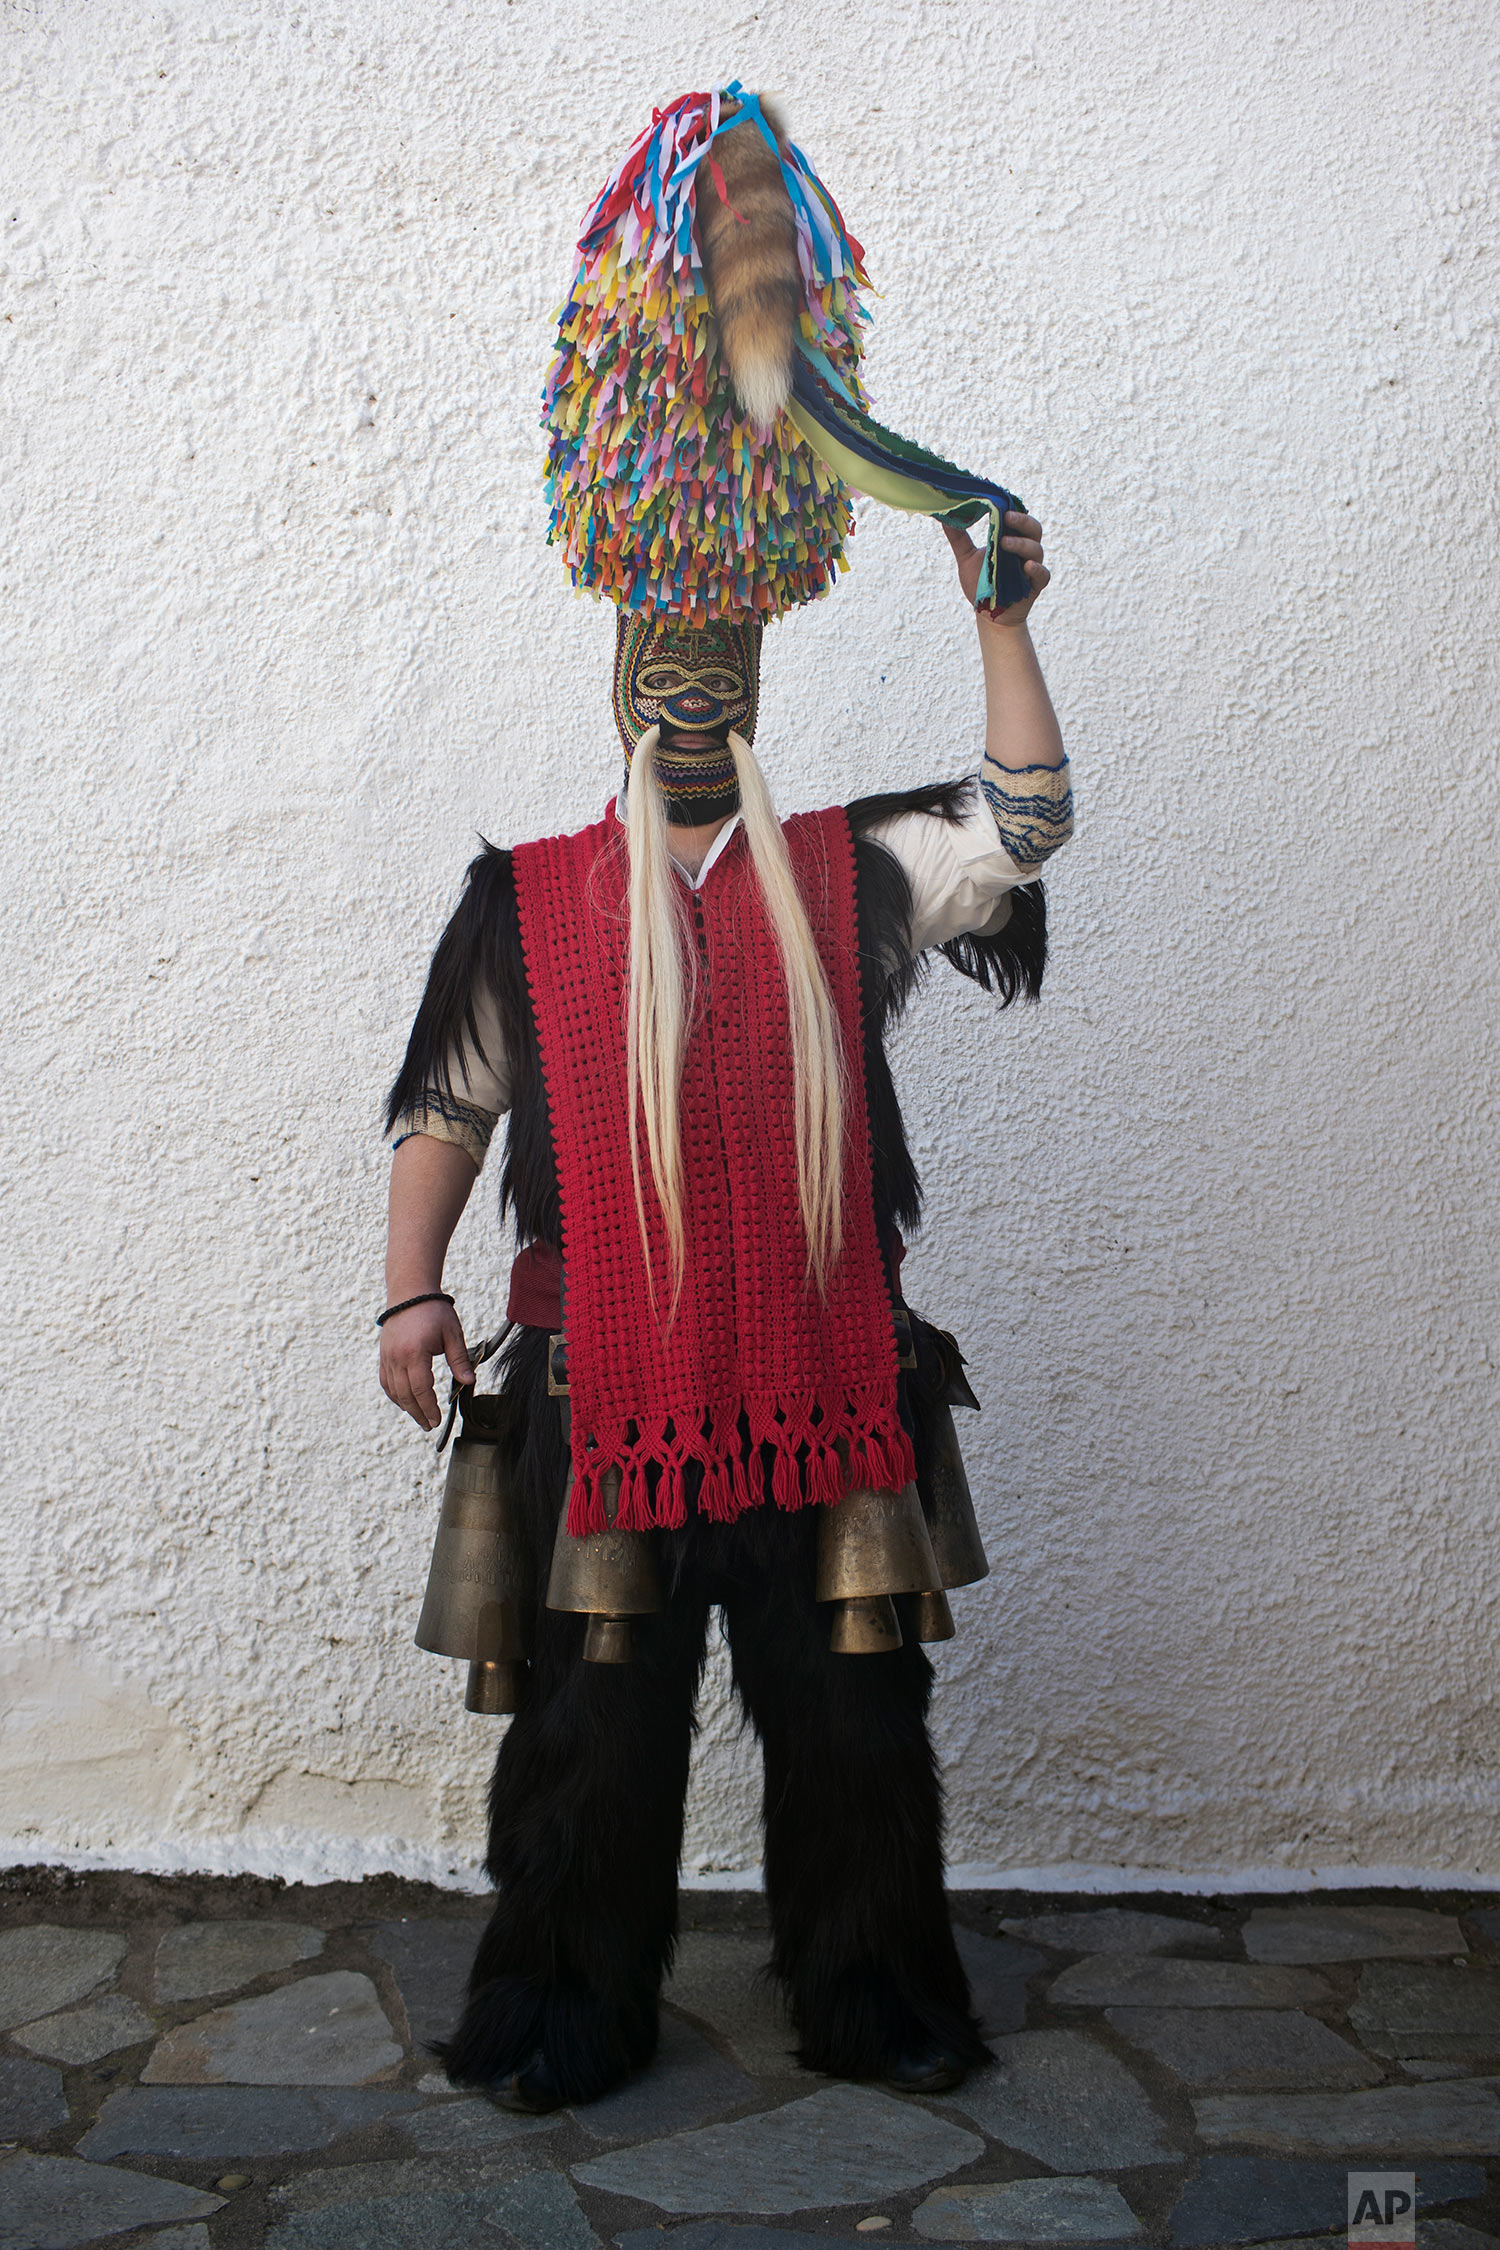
(1022, 536)
(430, 1183)
(408, 1346)
(1020, 725)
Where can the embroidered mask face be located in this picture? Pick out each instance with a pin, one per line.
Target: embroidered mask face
(698, 679)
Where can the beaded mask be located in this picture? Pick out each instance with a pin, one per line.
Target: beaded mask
(698, 679)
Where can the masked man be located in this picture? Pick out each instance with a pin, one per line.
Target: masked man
(713, 1395)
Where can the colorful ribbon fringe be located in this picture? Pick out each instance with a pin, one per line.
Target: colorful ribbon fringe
(660, 496)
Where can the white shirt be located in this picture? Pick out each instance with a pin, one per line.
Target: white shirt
(959, 871)
(960, 876)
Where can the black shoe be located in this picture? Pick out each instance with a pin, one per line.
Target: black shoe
(532, 2089)
(926, 2070)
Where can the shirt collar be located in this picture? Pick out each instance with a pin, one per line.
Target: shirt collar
(715, 851)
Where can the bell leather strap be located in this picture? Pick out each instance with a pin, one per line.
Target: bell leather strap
(456, 1390)
(428, 1297)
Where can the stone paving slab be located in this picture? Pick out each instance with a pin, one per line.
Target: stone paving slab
(1125, 1980)
(1242, 2198)
(1406, 2009)
(1028, 2211)
(212, 2124)
(720, 1979)
(539, 2212)
(178, 2238)
(31, 2100)
(1349, 1933)
(1000, 1957)
(44, 1968)
(1245, 2050)
(1316, 2242)
(1117, 1929)
(846, 2144)
(199, 1958)
(1062, 2098)
(1460, 2118)
(542, 2213)
(1438, 2054)
(470, 2128)
(1452, 2234)
(384, 2179)
(720, 2234)
(687, 2083)
(997, 1970)
(325, 2030)
(54, 2202)
(430, 1961)
(82, 2035)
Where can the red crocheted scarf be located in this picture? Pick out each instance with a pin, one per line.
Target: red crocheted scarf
(757, 1368)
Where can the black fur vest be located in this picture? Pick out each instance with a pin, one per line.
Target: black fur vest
(481, 948)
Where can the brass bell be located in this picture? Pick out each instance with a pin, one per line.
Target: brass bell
(607, 1576)
(867, 1625)
(932, 1619)
(606, 1640)
(871, 1545)
(874, 1543)
(475, 1603)
(949, 1507)
(495, 1688)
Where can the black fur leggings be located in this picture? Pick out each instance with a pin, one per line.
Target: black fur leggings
(586, 1823)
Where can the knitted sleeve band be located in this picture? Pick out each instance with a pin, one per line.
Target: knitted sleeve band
(1033, 808)
(460, 1123)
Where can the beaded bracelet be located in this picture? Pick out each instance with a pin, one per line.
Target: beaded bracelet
(429, 1297)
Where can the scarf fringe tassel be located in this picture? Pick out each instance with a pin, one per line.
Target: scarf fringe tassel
(813, 1463)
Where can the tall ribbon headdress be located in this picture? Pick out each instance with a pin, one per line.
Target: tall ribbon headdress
(706, 415)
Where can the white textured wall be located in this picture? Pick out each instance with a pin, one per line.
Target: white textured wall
(1216, 288)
